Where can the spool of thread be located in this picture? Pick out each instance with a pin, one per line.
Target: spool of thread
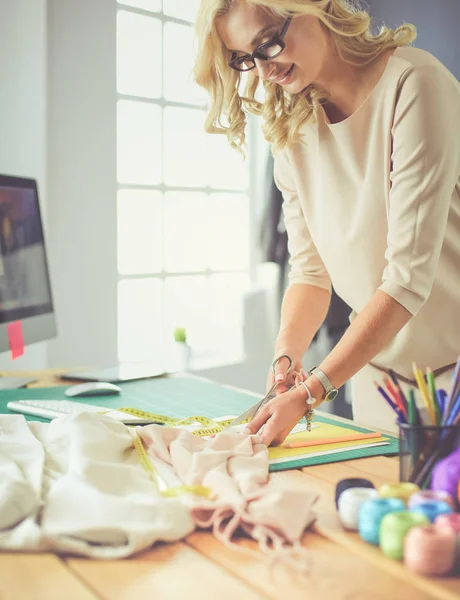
(394, 529)
(432, 509)
(349, 504)
(452, 522)
(430, 550)
(425, 495)
(350, 482)
(371, 514)
(403, 490)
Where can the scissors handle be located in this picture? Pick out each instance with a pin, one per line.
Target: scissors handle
(278, 358)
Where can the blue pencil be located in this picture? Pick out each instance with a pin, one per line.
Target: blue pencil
(401, 417)
(452, 394)
(453, 411)
(441, 397)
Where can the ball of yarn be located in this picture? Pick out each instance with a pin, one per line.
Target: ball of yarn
(425, 495)
(432, 509)
(430, 550)
(446, 474)
(371, 514)
(452, 522)
(394, 529)
(349, 503)
(351, 482)
(403, 490)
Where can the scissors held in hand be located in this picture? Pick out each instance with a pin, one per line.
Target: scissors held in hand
(251, 412)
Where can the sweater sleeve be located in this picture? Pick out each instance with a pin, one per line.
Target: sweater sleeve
(425, 168)
(305, 262)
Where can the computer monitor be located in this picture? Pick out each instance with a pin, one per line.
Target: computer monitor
(25, 288)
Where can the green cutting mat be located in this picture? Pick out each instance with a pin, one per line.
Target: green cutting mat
(181, 397)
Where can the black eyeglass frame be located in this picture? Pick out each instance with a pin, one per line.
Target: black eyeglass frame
(276, 40)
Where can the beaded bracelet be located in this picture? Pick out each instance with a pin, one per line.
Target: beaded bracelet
(310, 400)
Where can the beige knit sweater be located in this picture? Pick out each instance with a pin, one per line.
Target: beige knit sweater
(373, 202)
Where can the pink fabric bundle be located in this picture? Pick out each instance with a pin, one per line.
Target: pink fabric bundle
(235, 467)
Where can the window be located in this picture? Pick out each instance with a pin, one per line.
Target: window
(184, 213)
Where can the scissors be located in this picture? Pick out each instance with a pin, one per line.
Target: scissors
(251, 412)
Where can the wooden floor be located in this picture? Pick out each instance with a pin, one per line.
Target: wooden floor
(342, 566)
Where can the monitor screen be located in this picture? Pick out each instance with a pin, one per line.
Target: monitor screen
(25, 290)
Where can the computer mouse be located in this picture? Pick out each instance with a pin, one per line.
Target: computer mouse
(92, 388)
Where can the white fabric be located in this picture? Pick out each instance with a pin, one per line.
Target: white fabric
(76, 485)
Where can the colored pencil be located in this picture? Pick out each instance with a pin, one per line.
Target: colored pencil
(390, 402)
(413, 416)
(450, 399)
(392, 374)
(434, 397)
(441, 396)
(395, 395)
(424, 391)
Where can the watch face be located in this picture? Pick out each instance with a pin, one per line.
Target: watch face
(332, 395)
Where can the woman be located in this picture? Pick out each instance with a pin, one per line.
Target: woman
(365, 134)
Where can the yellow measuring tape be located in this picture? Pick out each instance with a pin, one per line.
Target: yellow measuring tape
(210, 427)
(168, 492)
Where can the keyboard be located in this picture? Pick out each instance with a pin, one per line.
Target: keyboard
(51, 409)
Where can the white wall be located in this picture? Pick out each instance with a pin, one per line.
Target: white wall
(23, 76)
(82, 180)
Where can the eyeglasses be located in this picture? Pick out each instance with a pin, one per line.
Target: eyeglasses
(266, 51)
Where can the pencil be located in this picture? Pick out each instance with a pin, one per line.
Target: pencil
(442, 397)
(390, 402)
(434, 396)
(396, 396)
(451, 397)
(392, 374)
(424, 391)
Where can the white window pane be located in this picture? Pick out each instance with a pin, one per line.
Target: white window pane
(226, 292)
(178, 65)
(181, 9)
(228, 231)
(187, 304)
(227, 167)
(139, 52)
(140, 312)
(152, 5)
(140, 232)
(185, 232)
(139, 143)
(185, 147)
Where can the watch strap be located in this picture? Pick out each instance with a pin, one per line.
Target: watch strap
(323, 379)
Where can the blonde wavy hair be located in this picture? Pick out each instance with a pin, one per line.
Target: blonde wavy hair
(233, 93)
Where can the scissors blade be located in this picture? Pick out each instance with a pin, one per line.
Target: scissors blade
(251, 412)
(247, 414)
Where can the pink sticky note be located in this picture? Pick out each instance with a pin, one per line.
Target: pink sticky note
(15, 338)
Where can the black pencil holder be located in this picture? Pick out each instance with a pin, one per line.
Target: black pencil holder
(421, 447)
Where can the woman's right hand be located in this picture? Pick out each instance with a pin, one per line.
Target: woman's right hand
(286, 381)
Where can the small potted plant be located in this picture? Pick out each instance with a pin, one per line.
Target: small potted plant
(184, 351)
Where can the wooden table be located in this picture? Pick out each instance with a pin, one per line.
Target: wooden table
(343, 567)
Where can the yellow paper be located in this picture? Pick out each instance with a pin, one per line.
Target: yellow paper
(326, 431)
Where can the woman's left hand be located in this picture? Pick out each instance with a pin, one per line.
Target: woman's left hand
(280, 415)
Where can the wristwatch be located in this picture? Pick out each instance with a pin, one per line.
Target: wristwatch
(331, 391)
